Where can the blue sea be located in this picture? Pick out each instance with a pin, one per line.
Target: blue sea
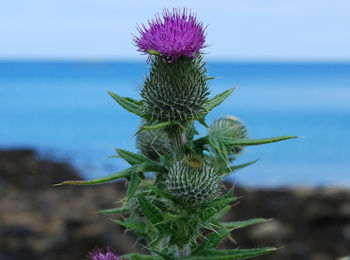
(62, 109)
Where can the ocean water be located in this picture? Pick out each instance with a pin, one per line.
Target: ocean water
(63, 110)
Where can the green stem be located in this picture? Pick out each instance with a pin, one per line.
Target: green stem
(179, 141)
(178, 136)
(186, 251)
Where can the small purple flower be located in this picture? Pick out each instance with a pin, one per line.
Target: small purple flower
(98, 254)
(177, 34)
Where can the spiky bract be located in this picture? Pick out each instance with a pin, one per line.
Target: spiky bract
(192, 184)
(175, 91)
(238, 129)
(154, 143)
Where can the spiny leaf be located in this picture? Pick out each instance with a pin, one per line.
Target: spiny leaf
(230, 169)
(244, 223)
(222, 202)
(129, 104)
(114, 211)
(222, 212)
(227, 195)
(164, 255)
(132, 158)
(139, 159)
(134, 256)
(217, 100)
(213, 209)
(215, 206)
(157, 126)
(123, 174)
(214, 139)
(212, 240)
(220, 149)
(173, 217)
(236, 253)
(133, 184)
(153, 213)
(201, 120)
(238, 141)
(135, 225)
(157, 191)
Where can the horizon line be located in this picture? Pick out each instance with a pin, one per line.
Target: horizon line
(214, 60)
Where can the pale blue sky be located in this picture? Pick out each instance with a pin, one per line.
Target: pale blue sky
(317, 30)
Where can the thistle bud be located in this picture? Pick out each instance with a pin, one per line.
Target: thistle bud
(238, 129)
(175, 91)
(153, 143)
(191, 184)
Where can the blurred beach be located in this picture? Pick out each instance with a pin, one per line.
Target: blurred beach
(62, 109)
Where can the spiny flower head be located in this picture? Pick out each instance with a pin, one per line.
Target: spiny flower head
(176, 34)
(98, 254)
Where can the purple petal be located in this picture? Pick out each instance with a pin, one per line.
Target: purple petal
(98, 254)
(176, 34)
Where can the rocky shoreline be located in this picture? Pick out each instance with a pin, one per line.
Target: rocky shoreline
(41, 222)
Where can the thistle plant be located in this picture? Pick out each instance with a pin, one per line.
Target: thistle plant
(177, 212)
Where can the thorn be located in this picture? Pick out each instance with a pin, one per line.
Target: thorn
(232, 239)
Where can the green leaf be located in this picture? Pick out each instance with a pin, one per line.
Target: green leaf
(164, 256)
(114, 211)
(129, 104)
(245, 142)
(159, 125)
(123, 174)
(215, 206)
(220, 149)
(237, 253)
(173, 217)
(134, 158)
(228, 195)
(212, 240)
(230, 169)
(151, 212)
(244, 223)
(133, 224)
(222, 212)
(133, 184)
(201, 120)
(157, 191)
(134, 256)
(217, 100)
(217, 137)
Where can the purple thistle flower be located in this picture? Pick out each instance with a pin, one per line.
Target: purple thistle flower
(177, 34)
(98, 254)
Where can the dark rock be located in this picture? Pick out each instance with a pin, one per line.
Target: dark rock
(41, 222)
(24, 169)
(309, 223)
